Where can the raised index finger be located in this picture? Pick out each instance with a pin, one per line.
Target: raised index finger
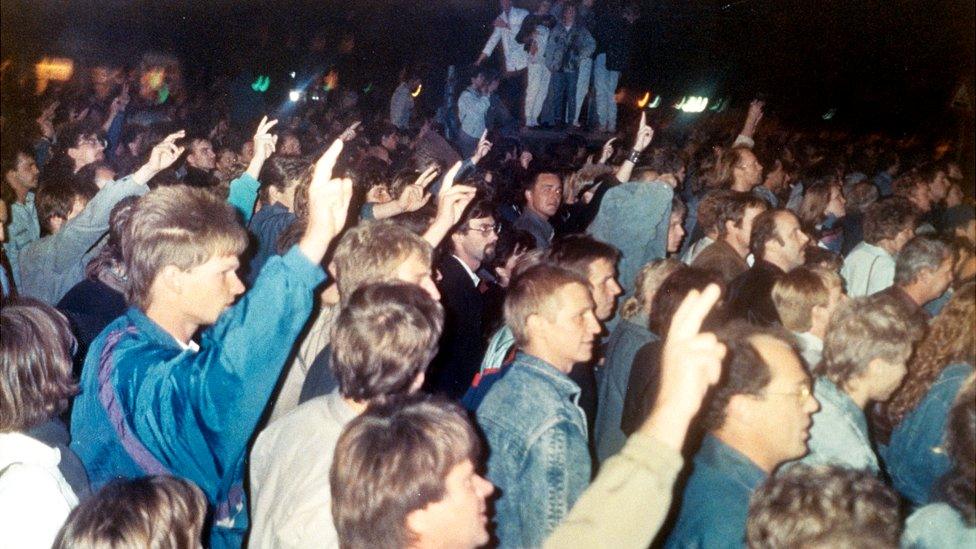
(325, 164)
(449, 177)
(427, 176)
(174, 136)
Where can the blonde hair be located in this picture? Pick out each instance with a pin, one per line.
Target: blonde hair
(180, 226)
(648, 280)
(797, 292)
(532, 293)
(372, 251)
(159, 512)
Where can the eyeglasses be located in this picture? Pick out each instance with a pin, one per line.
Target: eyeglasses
(801, 394)
(487, 229)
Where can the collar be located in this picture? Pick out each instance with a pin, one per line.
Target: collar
(828, 390)
(765, 266)
(897, 291)
(560, 381)
(338, 407)
(475, 279)
(536, 218)
(20, 448)
(148, 327)
(809, 341)
(875, 250)
(730, 462)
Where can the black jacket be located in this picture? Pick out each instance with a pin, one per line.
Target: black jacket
(750, 294)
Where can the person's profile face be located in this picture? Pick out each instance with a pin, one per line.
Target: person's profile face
(602, 276)
(546, 195)
(460, 518)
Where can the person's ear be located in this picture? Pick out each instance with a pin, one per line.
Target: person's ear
(741, 408)
(170, 278)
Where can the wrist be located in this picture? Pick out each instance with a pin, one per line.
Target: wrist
(634, 155)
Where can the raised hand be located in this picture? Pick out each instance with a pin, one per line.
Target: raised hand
(166, 152)
(525, 159)
(753, 117)
(349, 133)
(161, 157)
(264, 146)
(328, 205)
(644, 134)
(415, 195)
(46, 120)
(451, 202)
(607, 151)
(484, 146)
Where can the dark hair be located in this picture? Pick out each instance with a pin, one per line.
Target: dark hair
(155, 512)
(384, 337)
(54, 200)
(958, 486)
(822, 257)
(10, 152)
(886, 218)
(734, 209)
(672, 292)
(823, 506)
(35, 364)
(744, 372)
(763, 230)
(392, 460)
(712, 207)
(575, 252)
(282, 172)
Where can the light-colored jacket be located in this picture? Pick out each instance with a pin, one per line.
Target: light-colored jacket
(35, 499)
(290, 497)
(867, 270)
(516, 58)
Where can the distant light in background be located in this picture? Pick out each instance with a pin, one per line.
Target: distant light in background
(368, 88)
(294, 95)
(656, 103)
(692, 104)
(331, 80)
(57, 69)
(261, 83)
(829, 114)
(417, 91)
(292, 74)
(643, 101)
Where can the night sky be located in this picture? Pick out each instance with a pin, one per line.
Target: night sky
(886, 62)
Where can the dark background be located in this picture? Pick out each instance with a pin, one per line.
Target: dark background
(889, 64)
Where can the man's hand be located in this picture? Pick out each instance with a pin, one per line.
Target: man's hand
(328, 205)
(691, 362)
(415, 195)
(753, 117)
(644, 134)
(525, 159)
(451, 202)
(607, 151)
(161, 157)
(264, 146)
(46, 120)
(481, 59)
(349, 133)
(484, 146)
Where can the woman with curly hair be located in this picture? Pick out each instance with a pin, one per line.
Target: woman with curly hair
(951, 522)
(912, 422)
(627, 338)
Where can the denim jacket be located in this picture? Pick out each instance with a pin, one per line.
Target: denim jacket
(715, 505)
(915, 458)
(839, 434)
(539, 458)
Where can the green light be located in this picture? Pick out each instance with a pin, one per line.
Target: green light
(261, 83)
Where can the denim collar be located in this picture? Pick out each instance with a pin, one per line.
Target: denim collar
(536, 219)
(565, 386)
(730, 462)
(828, 390)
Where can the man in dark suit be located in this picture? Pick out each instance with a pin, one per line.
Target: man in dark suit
(465, 296)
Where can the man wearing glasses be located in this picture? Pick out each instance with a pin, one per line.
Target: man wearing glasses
(756, 418)
(466, 297)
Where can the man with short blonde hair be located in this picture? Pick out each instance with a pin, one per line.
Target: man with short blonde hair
(804, 299)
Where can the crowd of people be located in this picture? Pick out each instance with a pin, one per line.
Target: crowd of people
(355, 329)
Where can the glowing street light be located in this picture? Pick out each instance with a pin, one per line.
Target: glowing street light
(417, 91)
(643, 101)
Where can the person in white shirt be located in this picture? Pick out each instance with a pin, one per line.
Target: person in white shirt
(538, 74)
(870, 267)
(506, 28)
(473, 105)
(401, 104)
(384, 338)
(804, 299)
(36, 386)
